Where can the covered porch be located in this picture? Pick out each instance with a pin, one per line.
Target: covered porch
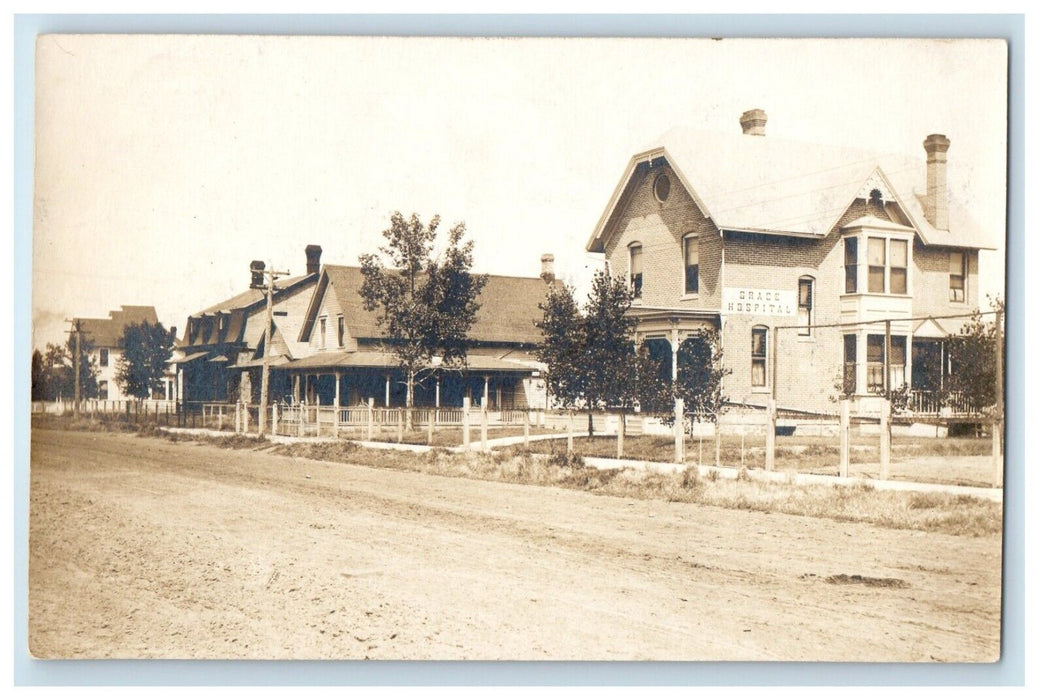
(357, 379)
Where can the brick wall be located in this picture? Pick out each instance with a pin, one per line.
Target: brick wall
(660, 227)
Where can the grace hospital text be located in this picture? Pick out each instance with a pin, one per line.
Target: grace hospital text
(767, 302)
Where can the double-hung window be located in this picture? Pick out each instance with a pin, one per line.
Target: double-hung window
(957, 277)
(341, 331)
(898, 266)
(850, 264)
(103, 357)
(877, 362)
(806, 304)
(323, 333)
(759, 356)
(877, 265)
(635, 269)
(849, 364)
(690, 254)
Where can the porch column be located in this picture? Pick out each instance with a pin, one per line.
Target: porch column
(337, 388)
(437, 392)
(497, 396)
(297, 387)
(388, 380)
(486, 382)
(675, 353)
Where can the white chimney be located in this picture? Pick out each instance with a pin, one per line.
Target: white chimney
(548, 271)
(753, 122)
(936, 146)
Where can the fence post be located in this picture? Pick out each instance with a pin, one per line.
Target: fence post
(432, 424)
(317, 417)
(771, 432)
(717, 440)
(466, 407)
(337, 419)
(844, 438)
(526, 428)
(678, 429)
(301, 419)
(399, 425)
(884, 439)
(221, 415)
(370, 418)
(483, 423)
(275, 417)
(570, 432)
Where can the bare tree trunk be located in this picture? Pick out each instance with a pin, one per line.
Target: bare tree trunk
(591, 425)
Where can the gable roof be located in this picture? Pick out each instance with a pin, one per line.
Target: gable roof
(236, 309)
(508, 307)
(776, 186)
(106, 332)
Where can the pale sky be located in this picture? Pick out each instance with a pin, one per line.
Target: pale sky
(166, 164)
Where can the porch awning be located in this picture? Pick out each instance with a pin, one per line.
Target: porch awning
(220, 358)
(939, 327)
(189, 358)
(278, 361)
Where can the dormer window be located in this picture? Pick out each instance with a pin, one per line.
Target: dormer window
(635, 269)
(690, 263)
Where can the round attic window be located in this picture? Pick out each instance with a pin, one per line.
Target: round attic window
(662, 185)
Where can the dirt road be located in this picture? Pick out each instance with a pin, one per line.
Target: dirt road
(144, 548)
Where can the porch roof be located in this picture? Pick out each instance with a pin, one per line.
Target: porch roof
(939, 327)
(385, 360)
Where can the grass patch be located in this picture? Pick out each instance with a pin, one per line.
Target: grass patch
(857, 579)
(860, 502)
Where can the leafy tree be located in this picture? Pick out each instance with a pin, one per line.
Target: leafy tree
(592, 359)
(38, 381)
(146, 348)
(563, 350)
(426, 301)
(972, 354)
(700, 374)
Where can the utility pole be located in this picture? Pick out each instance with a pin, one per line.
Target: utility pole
(265, 279)
(76, 365)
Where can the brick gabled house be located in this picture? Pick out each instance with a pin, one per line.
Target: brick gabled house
(745, 232)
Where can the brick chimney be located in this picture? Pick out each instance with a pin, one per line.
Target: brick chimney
(548, 271)
(312, 259)
(936, 146)
(753, 122)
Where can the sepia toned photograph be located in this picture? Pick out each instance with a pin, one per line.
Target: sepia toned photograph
(586, 349)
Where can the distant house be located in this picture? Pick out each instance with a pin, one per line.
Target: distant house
(104, 335)
(745, 232)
